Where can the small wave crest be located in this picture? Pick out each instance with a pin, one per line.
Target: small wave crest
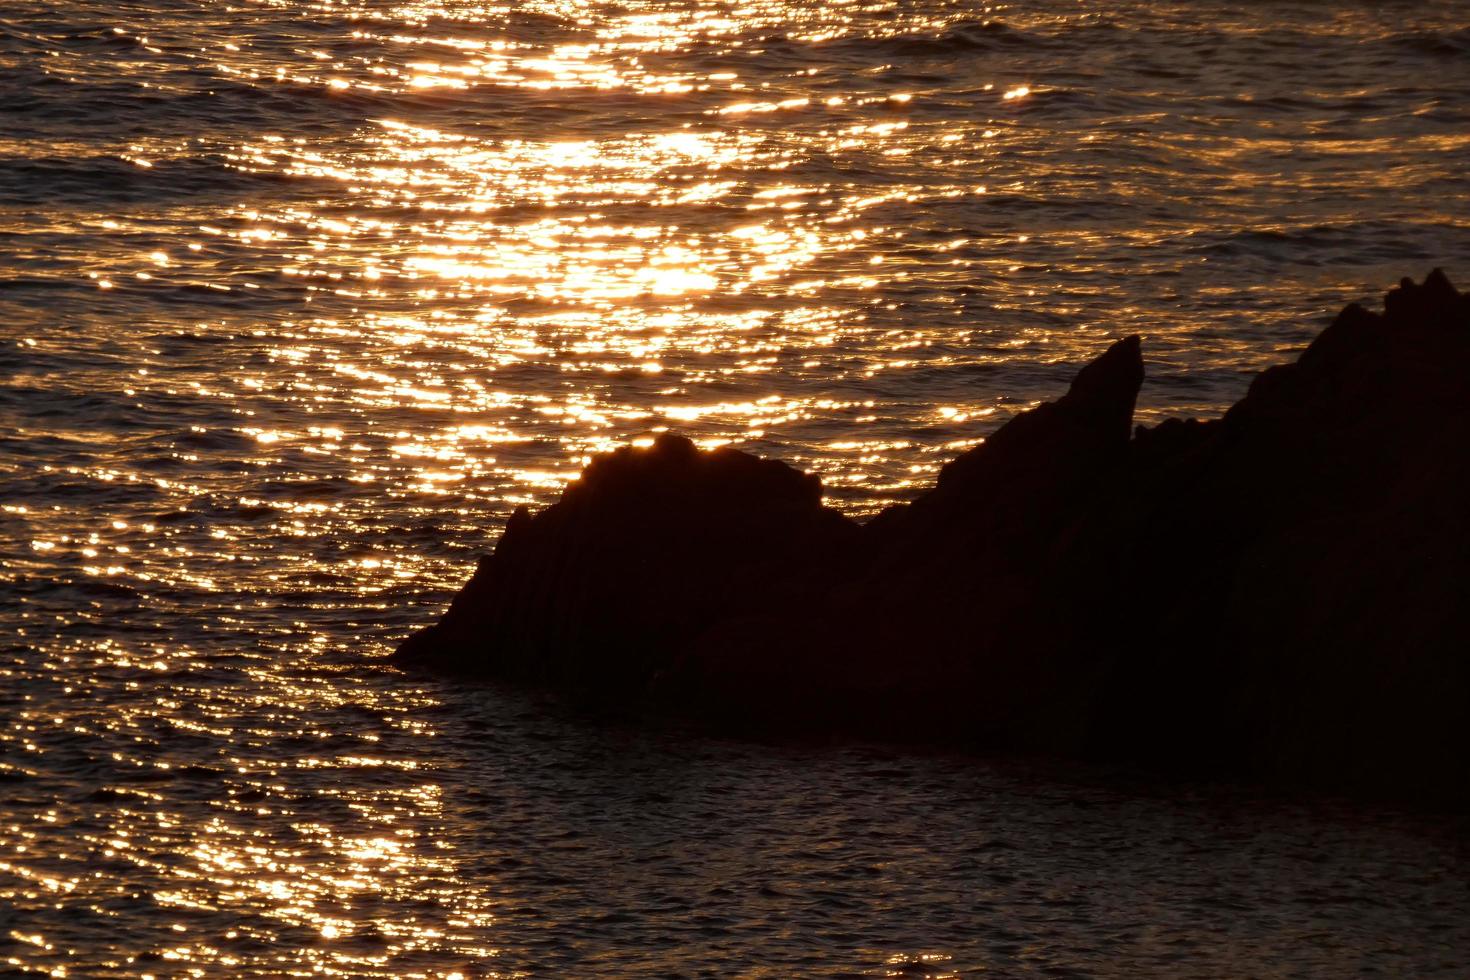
(1440, 44)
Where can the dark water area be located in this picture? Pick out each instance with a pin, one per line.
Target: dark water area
(299, 300)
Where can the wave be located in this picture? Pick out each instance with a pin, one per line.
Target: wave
(958, 38)
(107, 178)
(1440, 44)
(1344, 243)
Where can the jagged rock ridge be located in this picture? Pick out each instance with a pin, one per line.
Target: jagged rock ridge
(1284, 591)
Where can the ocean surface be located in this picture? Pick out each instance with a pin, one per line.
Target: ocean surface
(299, 299)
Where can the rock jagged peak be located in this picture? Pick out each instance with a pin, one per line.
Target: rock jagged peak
(1087, 427)
(1406, 360)
(1434, 303)
(1112, 379)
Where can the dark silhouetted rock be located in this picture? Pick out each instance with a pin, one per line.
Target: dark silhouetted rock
(1302, 566)
(964, 611)
(1282, 592)
(645, 550)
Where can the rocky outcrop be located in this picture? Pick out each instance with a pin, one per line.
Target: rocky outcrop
(1302, 565)
(642, 553)
(964, 612)
(1284, 591)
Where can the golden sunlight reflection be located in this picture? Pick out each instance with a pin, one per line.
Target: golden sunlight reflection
(725, 260)
(508, 253)
(463, 311)
(276, 855)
